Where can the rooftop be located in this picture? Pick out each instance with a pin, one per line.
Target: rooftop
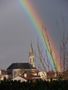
(20, 66)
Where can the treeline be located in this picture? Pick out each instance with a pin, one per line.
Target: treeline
(34, 85)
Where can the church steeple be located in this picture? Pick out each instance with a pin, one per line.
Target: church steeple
(31, 56)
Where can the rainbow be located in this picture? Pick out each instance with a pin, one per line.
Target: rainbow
(43, 34)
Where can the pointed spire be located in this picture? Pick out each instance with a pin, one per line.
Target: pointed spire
(31, 52)
(31, 56)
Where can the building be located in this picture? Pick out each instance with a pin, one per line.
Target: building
(65, 75)
(3, 75)
(43, 75)
(18, 78)
(24, 70)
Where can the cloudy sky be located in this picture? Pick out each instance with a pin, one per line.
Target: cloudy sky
(16, 31)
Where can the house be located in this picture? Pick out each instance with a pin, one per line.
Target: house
(3, 74)
(24, 70)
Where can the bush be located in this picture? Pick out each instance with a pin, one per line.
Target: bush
(37, 85)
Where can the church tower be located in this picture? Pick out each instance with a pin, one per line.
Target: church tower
(31, 56)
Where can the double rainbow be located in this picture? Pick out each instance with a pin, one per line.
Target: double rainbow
(43, 34)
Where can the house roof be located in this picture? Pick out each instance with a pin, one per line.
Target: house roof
(20, 66)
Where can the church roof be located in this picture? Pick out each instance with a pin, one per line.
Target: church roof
(20, 66)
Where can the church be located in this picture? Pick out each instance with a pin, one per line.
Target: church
(28, 71)
(23, 71)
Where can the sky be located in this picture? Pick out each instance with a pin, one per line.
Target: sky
(16, 30)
